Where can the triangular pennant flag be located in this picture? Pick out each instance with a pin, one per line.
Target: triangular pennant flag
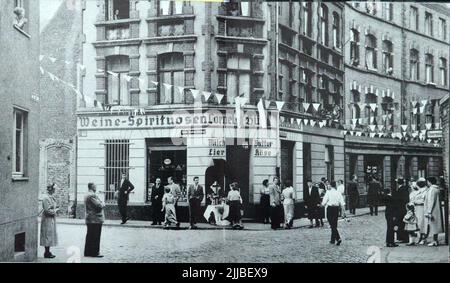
(267, 103)
(424, 102)
(82, 67)
(414, 111)
(428, 126)
(41, 57)
(52, 59)
(372, 135)
(306, 121)
(306, 106)
(127, 78)
(316, 106)
(313, 123)
(353, 127)
(180, 90)
(422, 108)
(380, 128)
(428, 140)
(373, 106)
(354, 121)
(414, 103)
(358, 134)
(42, 70)
(372, 119)
(299, 121)
(404, 127)
(155, 83)
(292, 121)
(219, 97)
(207, 95)
(168, 87)
(436, 125)
(262, 114)
(372, 127)
(195, 93)
(280, 105)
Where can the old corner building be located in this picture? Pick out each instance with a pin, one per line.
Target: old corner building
(19, 131)
(169, 75)
(396, 73)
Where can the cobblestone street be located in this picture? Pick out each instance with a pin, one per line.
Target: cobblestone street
(257, 243)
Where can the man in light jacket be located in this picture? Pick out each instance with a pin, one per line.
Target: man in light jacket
(432, 210)
(275, 203)
(94, 220)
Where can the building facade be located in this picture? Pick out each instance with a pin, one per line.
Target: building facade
(236, 91)
(396, 69)
(19, 130)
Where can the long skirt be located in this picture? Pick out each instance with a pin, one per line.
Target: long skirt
(421, 222)
(48, 237)
(288, 213)
(171, 215)
(265, 206)
(235, 211)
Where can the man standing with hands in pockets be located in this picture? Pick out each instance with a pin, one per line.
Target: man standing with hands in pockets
(195, 196)
(333, 201)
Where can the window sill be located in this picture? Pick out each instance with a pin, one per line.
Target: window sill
(22, 31)
(19, 179)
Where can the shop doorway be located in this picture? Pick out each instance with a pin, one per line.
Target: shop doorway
(373, 165)
(238, 165)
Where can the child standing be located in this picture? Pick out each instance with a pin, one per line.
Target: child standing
(411, 226)
(168, 202)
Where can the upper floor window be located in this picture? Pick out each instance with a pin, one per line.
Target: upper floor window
(336, 31)
(371, 52)
(388, 57)
(429, 68)
(20, 142)
(238, 76)
(117, 9)
(413, 18)
(442, 29)
(354, 47)
(171, 73)
(307, 18)
(287, 79)
(388, 108)
(388, 11)
(443, 71)
(291, 13)
(428, 24)
(20, 9)
(238, 8)
(168, 7)
(324, 24)
(414, 64)
(371, 7)
(117, 69)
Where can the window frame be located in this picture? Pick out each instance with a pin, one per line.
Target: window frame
(370, 38)
(323, 12)
(172, 72)
(414, 11)
(442, 28)
(388, 56)
(336, 30)
(109, 73)
(307, 18)
(414, 61)
(23, 143)
(428, 24)
(429, 66)
(172, 8)
(240, 71)
(355, 46)
(110, 10)
(443, 71)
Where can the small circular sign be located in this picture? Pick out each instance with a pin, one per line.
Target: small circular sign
(167, 161)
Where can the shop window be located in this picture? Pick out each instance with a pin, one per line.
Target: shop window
(413, 18)
(117, 162)
(371, 52)
(117, 9)
(170, 7)
(307, 18)
(19, 242)
(388, 109)
(428, 24)
(117, 69)
(354, 47)
(238, 8)
(336, 31)
(21, 7)
(20, 143)
(442, 29)
(323, 12)
(238, 76)
(429, 68)
(414, 64)
(388, 57)
(329, 161)
(443, 71)
(171, 74)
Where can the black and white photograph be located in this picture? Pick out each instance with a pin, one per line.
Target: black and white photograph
(224, 131)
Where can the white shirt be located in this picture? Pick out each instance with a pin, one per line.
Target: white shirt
(289, 195)
(341, 189)
(333, 198)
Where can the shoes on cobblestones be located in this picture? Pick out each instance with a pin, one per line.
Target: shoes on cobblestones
(310, 227)
(391, 245)
(411, 244)
(423, 242)
(433, 244)
(153, 224)
(332, 242)
(99, 255)
(338, 243)
(49, 255)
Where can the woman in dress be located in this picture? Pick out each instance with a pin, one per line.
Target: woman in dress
(168, 204)
(417, 197)
(49, 237)
(288, 196)
(265, 201)
(432, 209)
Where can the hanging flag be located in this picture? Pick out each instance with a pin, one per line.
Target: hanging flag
(372, 135)
(437, 125)
(207, 95)
(404, 127)
(219, 97)
(373, 106)
(168, 88)
(414, 111)
(306, 106)
(313, 123)
(424, 102)
(306, 121)
(180, 90)
(372, 119)
(280, 105)
(267, 103)
(195, 93)
(316, 106)
(353, 127)
(42, 70)
(299, 121)
(422, 108)
(380, 128)
(262, 114)
(414, 103)
(428, 126)
(354, 121)
(52, 59)
(155, 83)
(428, 140)
(372, 127)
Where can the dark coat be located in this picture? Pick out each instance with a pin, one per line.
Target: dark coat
(313, 199)
(195, 192)
(352, 189)
(157, 195)
(125, 190)
(373, 193)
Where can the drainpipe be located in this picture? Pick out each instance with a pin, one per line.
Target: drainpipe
(276, 30)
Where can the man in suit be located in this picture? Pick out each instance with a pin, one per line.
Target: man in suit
(195, 196)
(391, 214)
(124, 190)
(176, 192)
(373, 194)
(275, 203)
(353, 194)
(402, 196)
(311, 197)
(94, 220)
(156, 198)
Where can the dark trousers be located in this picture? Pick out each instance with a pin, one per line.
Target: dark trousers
(123, 209)
(157, 214)
(373, 209)
(92, 244)
(194, 210)
(390, 223)
(265, 208)
(332, 216)
(275, 216)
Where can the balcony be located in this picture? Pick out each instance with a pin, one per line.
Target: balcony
(117, 32)
(175, 28)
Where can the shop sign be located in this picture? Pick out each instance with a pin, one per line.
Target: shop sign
(264, 147)
(436, 134)
(217, 148)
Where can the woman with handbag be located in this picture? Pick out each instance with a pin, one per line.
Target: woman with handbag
(48, 235)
